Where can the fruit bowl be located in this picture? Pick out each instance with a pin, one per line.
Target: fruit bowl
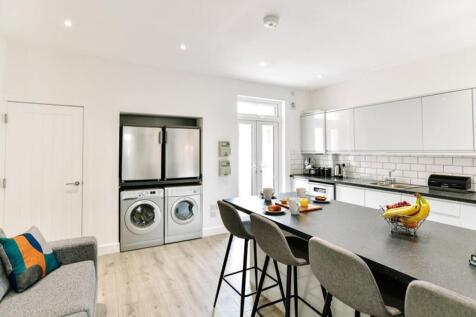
(405, 218)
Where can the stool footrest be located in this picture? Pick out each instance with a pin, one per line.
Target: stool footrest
(254, 292)
(282, 300)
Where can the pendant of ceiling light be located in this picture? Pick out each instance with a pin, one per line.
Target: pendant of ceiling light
(271, 21)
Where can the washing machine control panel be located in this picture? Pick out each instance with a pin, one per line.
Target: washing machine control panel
(135, 194)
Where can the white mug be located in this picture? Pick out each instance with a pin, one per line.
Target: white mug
(294, 206)
(268, 194)
(301, 191)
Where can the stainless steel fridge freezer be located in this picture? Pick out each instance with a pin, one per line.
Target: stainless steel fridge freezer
(182, 153)
(141, 153)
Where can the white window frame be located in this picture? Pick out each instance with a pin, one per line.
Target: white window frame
(276, 103)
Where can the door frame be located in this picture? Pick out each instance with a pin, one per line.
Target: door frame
(3, 151)
(256, 151)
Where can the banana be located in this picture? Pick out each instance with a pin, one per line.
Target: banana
(422, 214)
(403, 211)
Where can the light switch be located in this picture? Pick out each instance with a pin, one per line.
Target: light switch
(224, 148)
(224, 168)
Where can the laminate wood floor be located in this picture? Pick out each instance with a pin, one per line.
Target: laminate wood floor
(177, 279)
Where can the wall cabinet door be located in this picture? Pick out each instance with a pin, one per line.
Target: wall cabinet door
(350, 194)
(393, 126)
(312, 133)
(377, 198)
(340, 130)
(448, 121)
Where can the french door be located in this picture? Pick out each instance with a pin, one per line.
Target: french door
(258, 152)
(43, 169)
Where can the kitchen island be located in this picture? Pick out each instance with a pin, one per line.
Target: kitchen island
(438, 254)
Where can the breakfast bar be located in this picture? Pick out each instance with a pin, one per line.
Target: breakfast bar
(439, 253)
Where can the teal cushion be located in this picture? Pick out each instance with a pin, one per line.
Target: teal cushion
(26, 259)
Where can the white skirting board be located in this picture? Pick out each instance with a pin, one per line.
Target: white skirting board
(108, 248)
(211, 231)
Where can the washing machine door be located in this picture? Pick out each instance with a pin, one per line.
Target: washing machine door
(184, 210)
(142, 217)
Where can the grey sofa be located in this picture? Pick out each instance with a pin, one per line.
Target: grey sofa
(68, 291)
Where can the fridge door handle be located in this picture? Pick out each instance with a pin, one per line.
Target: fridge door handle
(160, 137)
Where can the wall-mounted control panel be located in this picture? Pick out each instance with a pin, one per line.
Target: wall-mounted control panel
(224, 148)
(224, 168)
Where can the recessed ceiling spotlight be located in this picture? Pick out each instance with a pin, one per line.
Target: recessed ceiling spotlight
(183, 47)
(263, 64)
(271, 21)
(68, 23)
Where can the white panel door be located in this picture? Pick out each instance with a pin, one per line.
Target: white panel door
(340, 130)
(43, 166)
(312, 133)
(377, 198)
(393, 126)
(350, 194)
(448, 121)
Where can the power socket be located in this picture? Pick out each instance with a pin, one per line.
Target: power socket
(213, 210)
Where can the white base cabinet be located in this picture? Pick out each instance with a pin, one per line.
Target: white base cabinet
(350, 194)
(377, 198)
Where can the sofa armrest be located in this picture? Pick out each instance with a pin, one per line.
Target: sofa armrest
(75, 250)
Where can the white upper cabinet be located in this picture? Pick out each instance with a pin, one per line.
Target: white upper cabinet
(393, 126)
(448, 122)
(312, 133)
(340, 130)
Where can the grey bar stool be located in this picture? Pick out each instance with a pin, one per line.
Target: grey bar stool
(241, 229)
(347, 277)
(425, 299)
(290, 251)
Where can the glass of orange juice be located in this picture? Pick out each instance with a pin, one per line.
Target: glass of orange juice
(304, 202)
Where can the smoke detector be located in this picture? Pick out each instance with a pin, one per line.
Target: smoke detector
(271, 21)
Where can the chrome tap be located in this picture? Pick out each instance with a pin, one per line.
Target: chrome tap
(390, 179)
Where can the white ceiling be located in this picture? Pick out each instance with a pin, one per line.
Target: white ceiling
(339, 39)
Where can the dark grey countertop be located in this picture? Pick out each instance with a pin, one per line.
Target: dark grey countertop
(467, 197)
(439, 254)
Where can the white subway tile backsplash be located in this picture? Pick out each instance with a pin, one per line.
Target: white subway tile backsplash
(410, 159)
(425, 160)
(444, 160)
(469, 170)
(389, 166)
(417, 167)
(453, 169)
(408, 169)
(434, 168)
(463, 161)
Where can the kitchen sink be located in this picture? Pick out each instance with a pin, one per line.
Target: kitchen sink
(394, 185)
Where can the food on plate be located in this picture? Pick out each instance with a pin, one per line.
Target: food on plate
(320, 198)
(274, 208)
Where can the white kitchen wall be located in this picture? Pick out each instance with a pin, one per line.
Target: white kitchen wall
(416, 78)
(2, 110)
(106, 87)
(408, 169)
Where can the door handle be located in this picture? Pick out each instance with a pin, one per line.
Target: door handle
(76, 183)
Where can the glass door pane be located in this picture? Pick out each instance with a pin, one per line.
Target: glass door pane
(246, 158)
(267, 155)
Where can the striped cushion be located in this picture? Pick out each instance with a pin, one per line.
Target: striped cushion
(27, 259)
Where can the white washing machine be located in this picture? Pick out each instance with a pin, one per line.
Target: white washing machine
(184, 219)
(141, 218)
